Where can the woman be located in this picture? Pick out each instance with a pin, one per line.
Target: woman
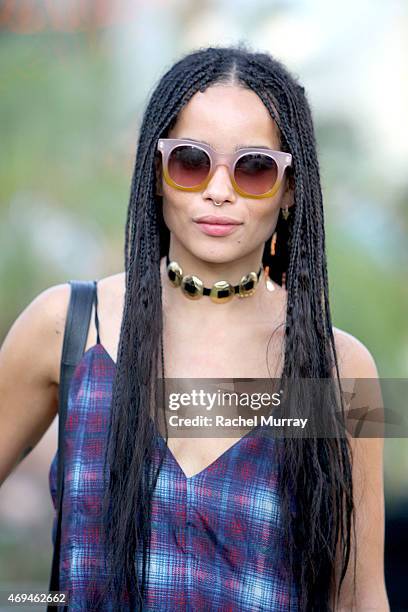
(226, 184)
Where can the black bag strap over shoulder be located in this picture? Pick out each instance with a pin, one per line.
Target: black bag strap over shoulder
(83, 294)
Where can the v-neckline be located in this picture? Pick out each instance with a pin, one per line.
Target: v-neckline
(210, 466)
(218, 460)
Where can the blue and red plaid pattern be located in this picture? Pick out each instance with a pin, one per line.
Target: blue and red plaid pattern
(216, 536)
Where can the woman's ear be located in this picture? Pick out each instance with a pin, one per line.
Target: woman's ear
(158, 173)
(288, 197)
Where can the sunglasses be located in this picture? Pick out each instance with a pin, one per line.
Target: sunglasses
(254, 172)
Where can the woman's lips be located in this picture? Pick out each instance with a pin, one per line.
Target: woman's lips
(217, 229)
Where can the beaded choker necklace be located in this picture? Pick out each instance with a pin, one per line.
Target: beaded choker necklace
(221, 291)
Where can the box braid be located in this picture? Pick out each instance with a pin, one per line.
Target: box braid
(315, 473)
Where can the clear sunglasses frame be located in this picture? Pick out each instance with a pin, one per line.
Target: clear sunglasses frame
(282, 159)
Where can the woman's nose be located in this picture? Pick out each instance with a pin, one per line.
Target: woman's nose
(220, 187)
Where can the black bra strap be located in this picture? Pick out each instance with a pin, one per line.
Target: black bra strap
(98, 340)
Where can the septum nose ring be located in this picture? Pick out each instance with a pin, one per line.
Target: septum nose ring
(217, 203)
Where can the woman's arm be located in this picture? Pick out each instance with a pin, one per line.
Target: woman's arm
(29, 375)
(358, 363)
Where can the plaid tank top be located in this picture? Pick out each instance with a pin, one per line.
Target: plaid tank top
(216, 536)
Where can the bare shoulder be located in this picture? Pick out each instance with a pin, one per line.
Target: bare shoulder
(40, 328)
(111, 288)
(354, 358)
(367, 443)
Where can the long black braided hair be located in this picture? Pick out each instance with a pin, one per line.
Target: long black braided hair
(317, 471)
